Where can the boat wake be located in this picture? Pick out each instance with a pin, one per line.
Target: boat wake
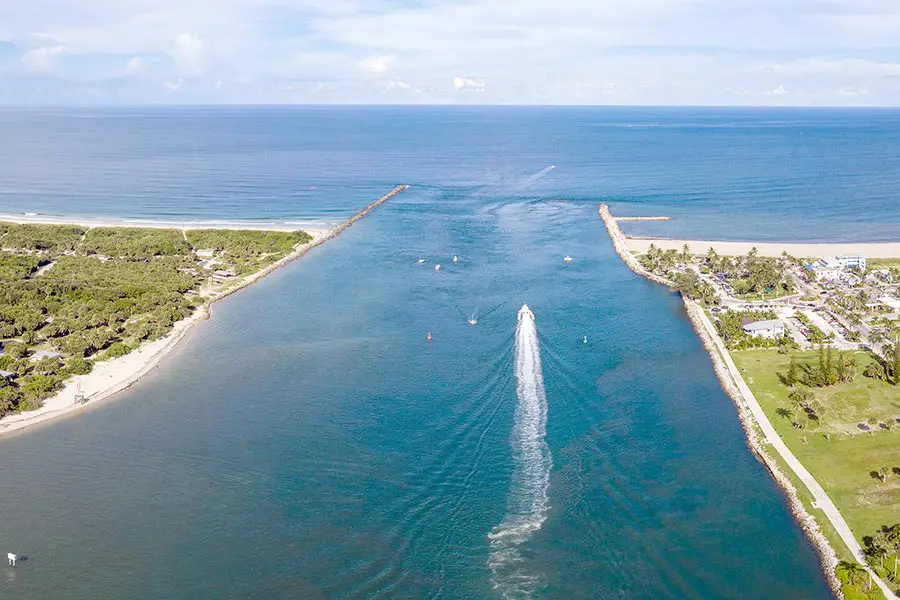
(527, 503)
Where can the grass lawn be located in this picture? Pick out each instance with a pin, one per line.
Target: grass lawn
(836, 451)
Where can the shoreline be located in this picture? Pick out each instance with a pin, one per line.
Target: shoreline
(111, 377)
(105, 222)
(752, 428)
(772, 249)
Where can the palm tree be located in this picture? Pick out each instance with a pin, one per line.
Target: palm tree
(854, 572)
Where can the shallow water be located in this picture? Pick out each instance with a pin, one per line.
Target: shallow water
(308, 442)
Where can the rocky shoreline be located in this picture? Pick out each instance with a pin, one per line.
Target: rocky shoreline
(754, 440)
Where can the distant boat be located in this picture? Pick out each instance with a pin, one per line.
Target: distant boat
(421, 260)
(30, 214)
(473, 320)
(568, 258)
(437, 267)
(455, 259)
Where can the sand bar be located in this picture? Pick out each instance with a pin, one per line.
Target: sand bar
(800, 250)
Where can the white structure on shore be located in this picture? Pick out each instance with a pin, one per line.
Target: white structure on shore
(835, 269)
(855, 260)
(772, 328)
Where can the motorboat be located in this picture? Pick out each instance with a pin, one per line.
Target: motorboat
(567, 258)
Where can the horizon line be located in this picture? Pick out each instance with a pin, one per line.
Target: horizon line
(6, 107)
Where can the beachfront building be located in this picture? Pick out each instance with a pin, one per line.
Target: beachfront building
(836, 269)
(848, 262)
(772, 328)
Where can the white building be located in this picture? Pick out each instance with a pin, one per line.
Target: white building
(848, 262)
(772, 328)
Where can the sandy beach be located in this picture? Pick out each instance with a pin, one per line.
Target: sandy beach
(800, 250)
(108, 378)
(311, 227)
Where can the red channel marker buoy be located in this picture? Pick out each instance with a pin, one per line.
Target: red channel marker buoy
(428, 337)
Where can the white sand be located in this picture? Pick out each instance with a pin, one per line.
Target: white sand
(111, 377)
(311, 227)
(799, 250)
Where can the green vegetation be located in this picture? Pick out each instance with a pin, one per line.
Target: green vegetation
(104, 292)
(690, 284)
(753, 277)
(245, 251)
(730, 325)
(845, 433)
(134, 243)
(42, 238)
(14, 267)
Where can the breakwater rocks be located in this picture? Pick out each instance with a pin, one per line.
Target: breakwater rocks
(756, 443)
(304, 248)
(621, 248)
(755, 440)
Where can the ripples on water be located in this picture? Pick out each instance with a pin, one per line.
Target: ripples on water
(527, 501)
(307, 442)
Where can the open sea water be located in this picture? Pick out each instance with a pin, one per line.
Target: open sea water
(308, 442)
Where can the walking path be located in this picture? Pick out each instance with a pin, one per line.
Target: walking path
(621, 244)
(822, 501)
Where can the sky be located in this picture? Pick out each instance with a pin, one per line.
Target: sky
(594, 52)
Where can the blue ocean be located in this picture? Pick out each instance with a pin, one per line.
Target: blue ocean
(309, 442)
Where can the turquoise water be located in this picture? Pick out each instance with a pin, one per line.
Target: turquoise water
(308, 442)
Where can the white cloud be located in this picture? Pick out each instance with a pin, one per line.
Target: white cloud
(134, 66)
(174, 85)
(189, 54)
(540, 51)
(779, 91)
(853, 91)
(467, 83)
(43, 58)
(376, 64)
(844, 66)
(395, 85)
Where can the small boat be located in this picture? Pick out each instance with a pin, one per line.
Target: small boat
(421, 260)
(585, 339)
(31, 214)
(437, 267)
(455, 259)
(567, 258)
(473, 320)
(428, 337)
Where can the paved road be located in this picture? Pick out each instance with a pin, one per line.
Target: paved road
(823, 502)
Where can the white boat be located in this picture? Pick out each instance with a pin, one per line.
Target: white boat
(421, 260)
(568, 258)
(437, 267)
(473, 320)
(455, 259)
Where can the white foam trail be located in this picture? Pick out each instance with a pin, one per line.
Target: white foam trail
(539, 174)
(527, 503)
